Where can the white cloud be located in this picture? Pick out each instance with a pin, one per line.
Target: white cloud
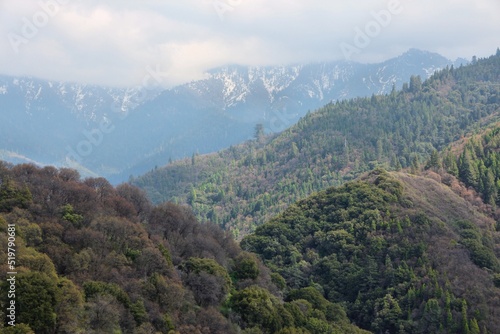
(112, 43)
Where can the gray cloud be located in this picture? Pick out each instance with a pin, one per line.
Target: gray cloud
(112, 43)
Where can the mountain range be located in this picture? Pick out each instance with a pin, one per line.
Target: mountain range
(245, 185)
(407, 240)
(116, 132)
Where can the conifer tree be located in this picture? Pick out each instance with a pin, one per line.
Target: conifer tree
(434, 161)
(465, 322)
(415, 84)
(415, 166)
(474, 327)
(489, 190)
(450, 163)
(467, 170)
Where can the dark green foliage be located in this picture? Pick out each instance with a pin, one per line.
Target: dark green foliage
(478, 165)
(483, 256)
(166, 254)
(208, 280)
(388, 315)
(364, 249)
(415, 84)
(138, 312)
(280, 282)
(496, 280)
(474, 327)
(477, 245)
(253, 330)
(11, 195)
(450, 164)
(69, 306)
(36, 297)
(68, 213)
(293, 330)
(92, 289)
(467, 170)
(18, 329)
(246, 266)
(434, 161)
(258, 307)
(312, 295)
(198, 265)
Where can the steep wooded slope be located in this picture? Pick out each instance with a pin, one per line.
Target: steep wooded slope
(403, 253)
(243, 186)
(91, 258)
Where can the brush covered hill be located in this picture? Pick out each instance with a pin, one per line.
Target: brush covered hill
(92, 258)
(402, 253)
(244, 186)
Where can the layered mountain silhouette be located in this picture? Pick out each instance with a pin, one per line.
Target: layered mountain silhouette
(118, 132)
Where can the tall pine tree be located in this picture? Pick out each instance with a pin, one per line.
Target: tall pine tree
(467, 170)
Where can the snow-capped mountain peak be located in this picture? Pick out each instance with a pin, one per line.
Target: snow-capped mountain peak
(44, 120)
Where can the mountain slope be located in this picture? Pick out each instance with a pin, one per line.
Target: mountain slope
(404, 253)
(222, 110)
(91, 258)
(60, 124)
(244, 186)
(475, 161)
(43, 121)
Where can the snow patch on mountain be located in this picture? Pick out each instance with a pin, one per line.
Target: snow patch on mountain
(430, 71)
(153, 125)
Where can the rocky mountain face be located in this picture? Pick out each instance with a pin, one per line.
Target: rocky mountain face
(118, 132)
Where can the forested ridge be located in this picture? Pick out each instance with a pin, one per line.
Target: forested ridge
(403, 254)
(92, 258)
(390, 252)
(412, 250)
(475, 160)
(244, 186)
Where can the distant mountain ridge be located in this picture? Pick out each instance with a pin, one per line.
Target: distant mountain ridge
(292, 90)
(45, 121)
(245, 185)
(39, 118)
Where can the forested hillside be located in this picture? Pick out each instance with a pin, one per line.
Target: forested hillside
(403, 253)
(244, 186)
(476, 162)
(390, 252)
(91, 258)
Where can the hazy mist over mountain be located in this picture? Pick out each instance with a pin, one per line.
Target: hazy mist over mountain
(119, 132)
(116, 88)
(115, 43)
(250, 166)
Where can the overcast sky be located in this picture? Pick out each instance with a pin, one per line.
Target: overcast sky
(114, 42)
